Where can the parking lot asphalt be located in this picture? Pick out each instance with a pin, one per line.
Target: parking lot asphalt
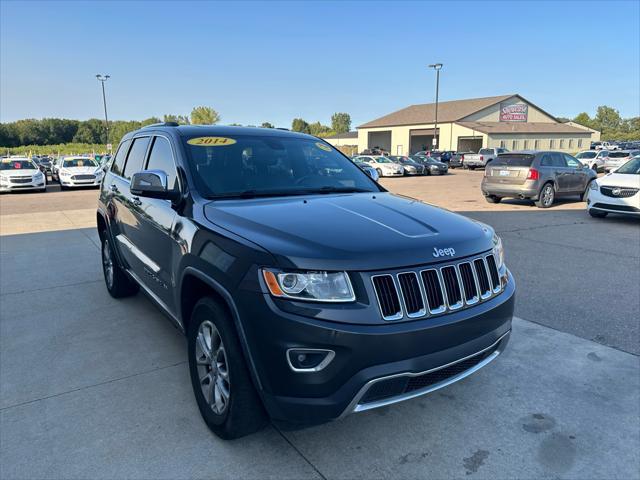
(94, 387)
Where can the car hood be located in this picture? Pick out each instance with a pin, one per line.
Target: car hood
(359, 231)
(620, 180)
(81, 170)
(21, 172)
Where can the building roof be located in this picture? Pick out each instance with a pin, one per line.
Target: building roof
(426, 113)
(522, 127)
(353, 134)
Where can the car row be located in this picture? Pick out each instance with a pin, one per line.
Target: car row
(24, 173)
(399, 165)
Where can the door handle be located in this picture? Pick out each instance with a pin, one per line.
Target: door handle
(136, 201)
(114, 188)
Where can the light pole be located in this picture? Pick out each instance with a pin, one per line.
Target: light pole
(436, 67)
(102, 79)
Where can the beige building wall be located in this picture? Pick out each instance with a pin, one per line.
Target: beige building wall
(492, 113)
(342, 142)
(595, 134)
(564, 142)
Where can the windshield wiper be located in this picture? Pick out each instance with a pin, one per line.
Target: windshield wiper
(333, 189)
(256, 193)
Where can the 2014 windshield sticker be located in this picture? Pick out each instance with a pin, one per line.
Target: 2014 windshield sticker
(324, 147)
(211, 141)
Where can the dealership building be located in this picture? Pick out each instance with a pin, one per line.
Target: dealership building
(507, 121)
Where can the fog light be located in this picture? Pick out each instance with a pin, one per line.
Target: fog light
(309, 359)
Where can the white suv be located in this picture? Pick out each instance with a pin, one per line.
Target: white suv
(383, 165)
(594, 159)
(617, 192)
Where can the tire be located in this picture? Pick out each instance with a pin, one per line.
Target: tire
(594, 167)
(493, 199)
(379, 172)
(118, 284)
(231, 407)
(547, 196)
(597, 213)
(585, 194)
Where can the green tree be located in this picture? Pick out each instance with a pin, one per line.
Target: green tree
(204, 116)
(266, 125)
(179, 119)
(89, 131)
(583, 119)
(319, 130)
(340, 122)
(607, 118)
(299, 125)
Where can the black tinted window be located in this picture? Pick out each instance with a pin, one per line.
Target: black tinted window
(513, 160)
(558, 160)
(546, 160)
(118, 163)
(135, 160)
(161, 158)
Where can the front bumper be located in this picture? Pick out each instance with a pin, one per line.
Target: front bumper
(364, 354)
(529, 189)
(604, 203)
(14, 187)
(80, 183)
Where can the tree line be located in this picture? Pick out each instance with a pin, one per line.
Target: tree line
(610, 124)
(59, 131)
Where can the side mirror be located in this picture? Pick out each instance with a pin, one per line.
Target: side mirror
(152, 184)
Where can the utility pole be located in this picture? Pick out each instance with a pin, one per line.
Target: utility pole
(102, 79)
(436, 67)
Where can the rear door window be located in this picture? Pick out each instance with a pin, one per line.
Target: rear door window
(118, 163)
(571, 161)
(557, 160)
(512, 160)
(135, 160)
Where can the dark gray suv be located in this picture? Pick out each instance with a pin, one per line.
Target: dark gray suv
(541, 176)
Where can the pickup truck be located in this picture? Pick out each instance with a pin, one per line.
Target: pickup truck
(480, 159)
(607, 146)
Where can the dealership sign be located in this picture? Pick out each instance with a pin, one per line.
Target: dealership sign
(513, 113)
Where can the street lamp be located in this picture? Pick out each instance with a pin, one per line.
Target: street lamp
(102, 79)
(436, 67)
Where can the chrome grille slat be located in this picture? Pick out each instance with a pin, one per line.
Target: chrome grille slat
(622, 192)
(433, 291)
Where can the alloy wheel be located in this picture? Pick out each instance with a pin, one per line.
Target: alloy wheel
(107, 263)
(547, 195)
(213, 368)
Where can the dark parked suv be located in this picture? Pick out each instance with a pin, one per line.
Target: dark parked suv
(306, 291)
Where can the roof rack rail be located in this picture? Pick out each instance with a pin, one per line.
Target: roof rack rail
(163, 124)
(282, 128)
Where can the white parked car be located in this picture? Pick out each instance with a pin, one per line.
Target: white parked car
(21, 173)
(617, 192)
(78, 172)
(383, 165)
(594, 159)
(608, 146)
(616, 159)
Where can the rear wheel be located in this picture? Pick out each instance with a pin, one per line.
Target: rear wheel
(221, 382)
(547, 196)
(471, 168)
(379, 172)
(597, 213)
(492, 199)
(116, 280)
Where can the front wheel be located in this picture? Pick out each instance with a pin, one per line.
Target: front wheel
(547, 196)
(226, 397)
(597, 213)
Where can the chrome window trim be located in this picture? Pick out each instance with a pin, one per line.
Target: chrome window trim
(398, 315)
(419, 313)
(326, 361)
(355, 407)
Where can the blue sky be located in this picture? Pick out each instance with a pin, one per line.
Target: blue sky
(268, 61)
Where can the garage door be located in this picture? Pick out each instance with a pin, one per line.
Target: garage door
(469, 144)
(380, 140)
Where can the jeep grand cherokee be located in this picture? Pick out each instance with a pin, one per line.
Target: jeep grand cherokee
(306, 290)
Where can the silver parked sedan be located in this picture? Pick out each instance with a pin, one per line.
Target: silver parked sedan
(541, 176)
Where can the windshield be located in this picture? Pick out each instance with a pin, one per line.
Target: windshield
(513, 160)
(587, 155)
(79, 162)
(247, 165)
(632, 167)
(14, 164)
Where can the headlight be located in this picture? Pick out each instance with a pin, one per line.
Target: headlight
(4, 180)
(314, 286)
(498, 251)
(38, 174)
(593, 186)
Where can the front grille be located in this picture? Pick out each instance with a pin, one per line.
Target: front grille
(83, 177)
(435, 291)
(620, 208)
(388, 298)
(618, 192)
(400, 385)
(21, 179)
